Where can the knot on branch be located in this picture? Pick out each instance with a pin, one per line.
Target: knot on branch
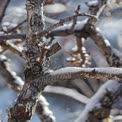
(36, 21)
(33, 70)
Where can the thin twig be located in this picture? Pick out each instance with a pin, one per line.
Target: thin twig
(17, 26)
(6, 45)
(3, 7)
(14, 81)
(75, 18)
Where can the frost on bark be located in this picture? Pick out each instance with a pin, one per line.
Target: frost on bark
(28, 98)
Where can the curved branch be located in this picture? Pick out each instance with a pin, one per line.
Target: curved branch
(68, 73)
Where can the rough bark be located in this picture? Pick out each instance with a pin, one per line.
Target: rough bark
(27, 101)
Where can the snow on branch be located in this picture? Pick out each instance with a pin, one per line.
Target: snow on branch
(67, 73)
(100, 104)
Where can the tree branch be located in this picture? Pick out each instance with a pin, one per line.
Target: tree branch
(103, 44)
(16, 83)
(100, 104)
(27, 101)
(3, 6)
(36, 75)
(68, 73)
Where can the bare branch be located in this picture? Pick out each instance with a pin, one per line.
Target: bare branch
(53, 49)
(88, 30)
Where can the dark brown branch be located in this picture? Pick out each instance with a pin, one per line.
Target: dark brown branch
(53, 49)
(96, 8)
(3, 6)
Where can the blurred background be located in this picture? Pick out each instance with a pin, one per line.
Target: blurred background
(66, 107)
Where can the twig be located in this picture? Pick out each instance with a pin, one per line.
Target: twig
(104, 45)
(3, 6)
(6, 45)
(60, 31)
(75, 18)
(61, 23)
(53, 49)
(12, 36)
(14, 28)
(82, 51)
